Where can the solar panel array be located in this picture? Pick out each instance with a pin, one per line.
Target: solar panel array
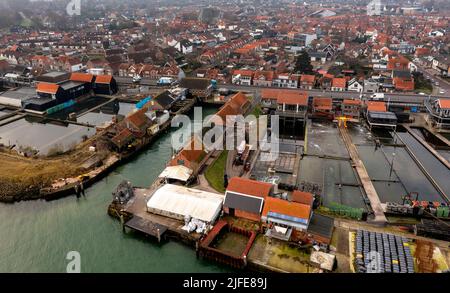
(382, 253)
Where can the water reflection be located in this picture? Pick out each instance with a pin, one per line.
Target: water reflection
(46, 138)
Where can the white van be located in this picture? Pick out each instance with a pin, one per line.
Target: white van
(377, 97)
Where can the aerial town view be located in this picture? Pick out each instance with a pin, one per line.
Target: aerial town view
(263, 136)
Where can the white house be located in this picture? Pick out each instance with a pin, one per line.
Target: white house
(412, 67)
(184, 46)
(318, 57)
(355, 86)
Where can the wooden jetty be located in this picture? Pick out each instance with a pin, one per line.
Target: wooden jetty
(146, 226)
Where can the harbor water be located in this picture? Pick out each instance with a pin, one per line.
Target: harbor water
(37, 235)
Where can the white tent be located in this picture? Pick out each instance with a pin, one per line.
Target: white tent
(176, 202)
(181, 173)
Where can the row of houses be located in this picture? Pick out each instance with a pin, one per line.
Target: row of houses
(150, 71)
(194, 153)
(293, 108)
(400, 81)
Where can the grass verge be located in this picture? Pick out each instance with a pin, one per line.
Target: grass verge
(215, 172)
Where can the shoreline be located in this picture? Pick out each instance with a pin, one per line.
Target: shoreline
(113, 160)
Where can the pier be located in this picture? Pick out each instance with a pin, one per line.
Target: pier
(147, 227)
(375, 203)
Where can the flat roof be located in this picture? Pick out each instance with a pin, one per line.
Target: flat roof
(39, 101)
(18, 95)
(382, 115)
(54, 74)
(321, 225)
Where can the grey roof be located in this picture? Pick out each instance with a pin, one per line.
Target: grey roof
(54, 77)
(39, 101)
(321, 225)
(19, 95)
(402, 73)
(70, 84)
(242, 202)
(195, 83)
(382, 115)
(54, 74)
(318, 54)
(165, 99)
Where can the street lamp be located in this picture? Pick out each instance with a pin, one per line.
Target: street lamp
(392, 166)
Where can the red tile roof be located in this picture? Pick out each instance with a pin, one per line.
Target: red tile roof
(293, 98)
(320, 103)
(339, 82)
(243, 72)
(249, 187)
(376, 106)
(103, 78)
(138, 119)
(307, 78)
(271, 94)
(48, 88)
(268, 75)
(403, 84)
(82, 77)
(302, 197)
(235, 106)
(444, 104)
(287, 208)
(352, 102)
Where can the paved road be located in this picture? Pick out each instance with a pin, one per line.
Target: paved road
(143, 81)
(436, 80)
(393, 97)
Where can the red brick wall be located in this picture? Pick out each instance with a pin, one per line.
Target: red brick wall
(244, 214)
(302, 236)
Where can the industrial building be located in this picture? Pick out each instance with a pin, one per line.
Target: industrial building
(16, 97)
(105, 85)
(378, 116)
(178, 202)
(57, 88)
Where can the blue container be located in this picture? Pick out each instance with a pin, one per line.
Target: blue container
(142, 102)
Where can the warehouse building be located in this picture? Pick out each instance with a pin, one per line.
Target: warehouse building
(178, 202)
(105, 85)
(87, 79)
(53, 77)
(378, 116)
(17, 97)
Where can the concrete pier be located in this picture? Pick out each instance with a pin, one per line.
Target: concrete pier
(380, 218)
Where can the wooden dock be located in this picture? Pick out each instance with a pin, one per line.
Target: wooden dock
(371, 193)
(137, 206)
(146, 226)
